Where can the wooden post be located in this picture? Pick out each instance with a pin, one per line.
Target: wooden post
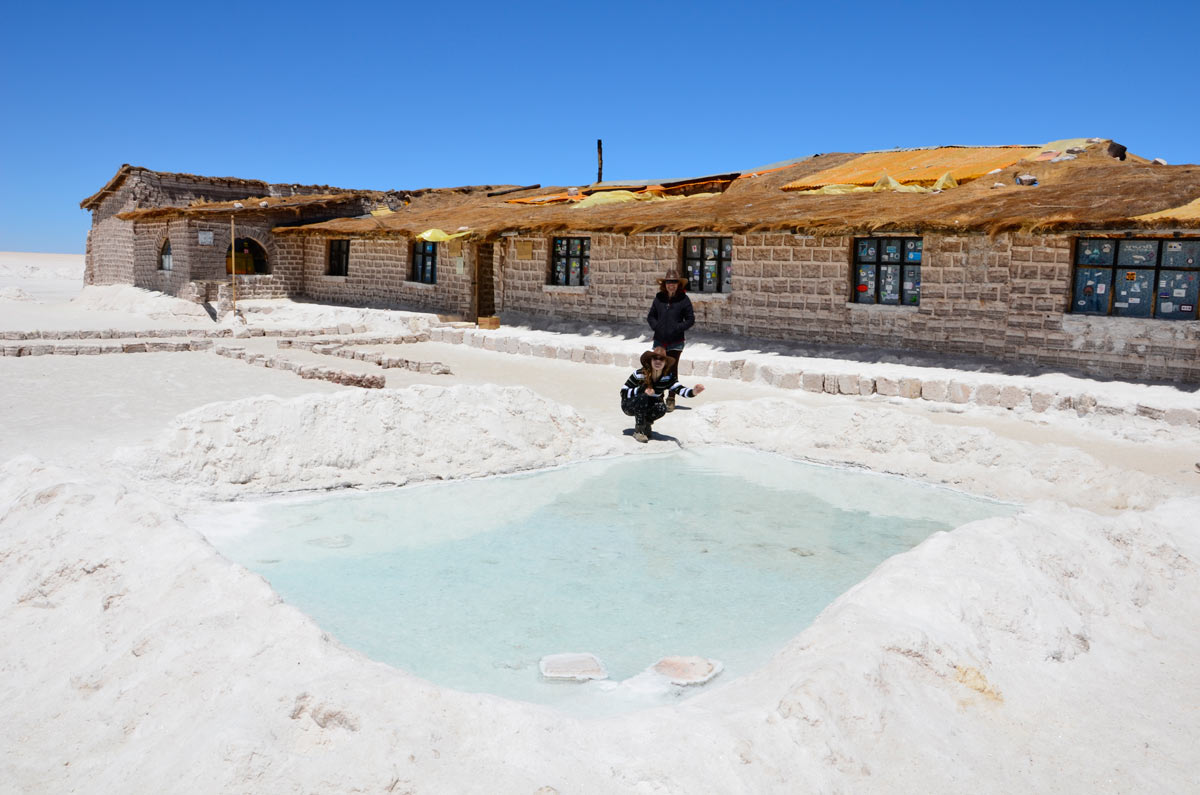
(233, 262)
(599, 160)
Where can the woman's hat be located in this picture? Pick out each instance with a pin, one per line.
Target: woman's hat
(659, 351)
(672, 276)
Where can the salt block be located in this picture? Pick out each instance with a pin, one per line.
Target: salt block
(574, 666)
(688, 670)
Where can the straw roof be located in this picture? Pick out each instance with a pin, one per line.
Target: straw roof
(260, 204)
(1092, 191)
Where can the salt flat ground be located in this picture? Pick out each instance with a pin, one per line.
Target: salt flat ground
(1053, 651)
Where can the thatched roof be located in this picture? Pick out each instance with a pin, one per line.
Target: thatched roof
(252, 186)
(1092, 191)
(251, 205)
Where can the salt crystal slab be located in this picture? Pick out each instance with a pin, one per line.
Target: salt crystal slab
(578, 666)
(688, 670)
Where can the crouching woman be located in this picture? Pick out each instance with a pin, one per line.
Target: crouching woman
(643, 395)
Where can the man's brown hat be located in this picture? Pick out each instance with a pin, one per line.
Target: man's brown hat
(672, 275)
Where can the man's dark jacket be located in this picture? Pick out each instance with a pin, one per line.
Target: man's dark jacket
(670, 318)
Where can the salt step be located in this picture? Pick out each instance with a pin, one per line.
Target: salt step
(576, 666)
(688, 670)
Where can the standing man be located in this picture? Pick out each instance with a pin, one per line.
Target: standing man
(669, 317)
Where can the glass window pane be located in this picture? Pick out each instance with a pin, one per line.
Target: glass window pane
(709, 274)
(558, 274)
(727, 247)
(1181, 254)
(889, 250)
(1094, 252)
(587, 246)
(912, 285)
(912, 250)
(1133, 292)
(1092, 290)
(692, 271)
(727, 277)
(1137, 253)
(889, 284)
(691, 247)
(1177, 294)
(574, 266)
(712, 248)
(867, 250)
(864, 284)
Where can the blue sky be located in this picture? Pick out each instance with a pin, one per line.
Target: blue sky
(406, 95)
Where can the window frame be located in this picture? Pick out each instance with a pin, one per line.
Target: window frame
(423, 268)
(908, 288)
(337, 262)
(564, 277)
(1116, 289)
(693, 267)
(166, 261)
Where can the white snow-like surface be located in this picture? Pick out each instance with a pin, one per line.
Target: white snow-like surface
(1052, 651)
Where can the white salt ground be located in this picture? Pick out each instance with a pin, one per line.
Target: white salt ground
(1051, 651)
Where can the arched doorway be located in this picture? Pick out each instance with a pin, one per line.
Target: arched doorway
(251, 257)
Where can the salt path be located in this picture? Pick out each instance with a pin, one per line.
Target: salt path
(1050, 651)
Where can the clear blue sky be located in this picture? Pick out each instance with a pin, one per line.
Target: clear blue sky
(405, 95)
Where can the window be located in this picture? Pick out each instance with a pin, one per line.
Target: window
(339, 258)
(424, 262)
(570, 261)
(1136, 277)
(164, 256)
(887, 270)
(708, 264)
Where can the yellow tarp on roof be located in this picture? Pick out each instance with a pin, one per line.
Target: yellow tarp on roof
(438, 236)
(917, 167)
(1185, 212)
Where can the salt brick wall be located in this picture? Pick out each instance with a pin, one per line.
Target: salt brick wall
(110, 252)
(1004, 298)
(379, 273)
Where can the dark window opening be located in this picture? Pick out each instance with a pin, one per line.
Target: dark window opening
(251, 257)
(708, 264)
(164, 256)
(570, 261)
(887, 270)
(1137, 277)
(424, 262)
(339, 258)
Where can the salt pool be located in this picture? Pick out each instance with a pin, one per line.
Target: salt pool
(718, 552)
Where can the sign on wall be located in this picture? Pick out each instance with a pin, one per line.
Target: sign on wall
(204, 238)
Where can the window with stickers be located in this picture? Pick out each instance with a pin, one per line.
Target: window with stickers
(708, 264)
(887, 270)
(570, 260)
(1136, 277)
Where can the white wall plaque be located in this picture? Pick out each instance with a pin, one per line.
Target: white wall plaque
(204, 238)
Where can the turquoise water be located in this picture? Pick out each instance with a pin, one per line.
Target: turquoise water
(718, 552)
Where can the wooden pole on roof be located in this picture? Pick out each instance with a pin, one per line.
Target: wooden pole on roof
(599, 160)
(233, 262)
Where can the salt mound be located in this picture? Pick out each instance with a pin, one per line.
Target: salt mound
(285, 313)
(894, 441)
(126, 298)
(367, 438)
(14, 294)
